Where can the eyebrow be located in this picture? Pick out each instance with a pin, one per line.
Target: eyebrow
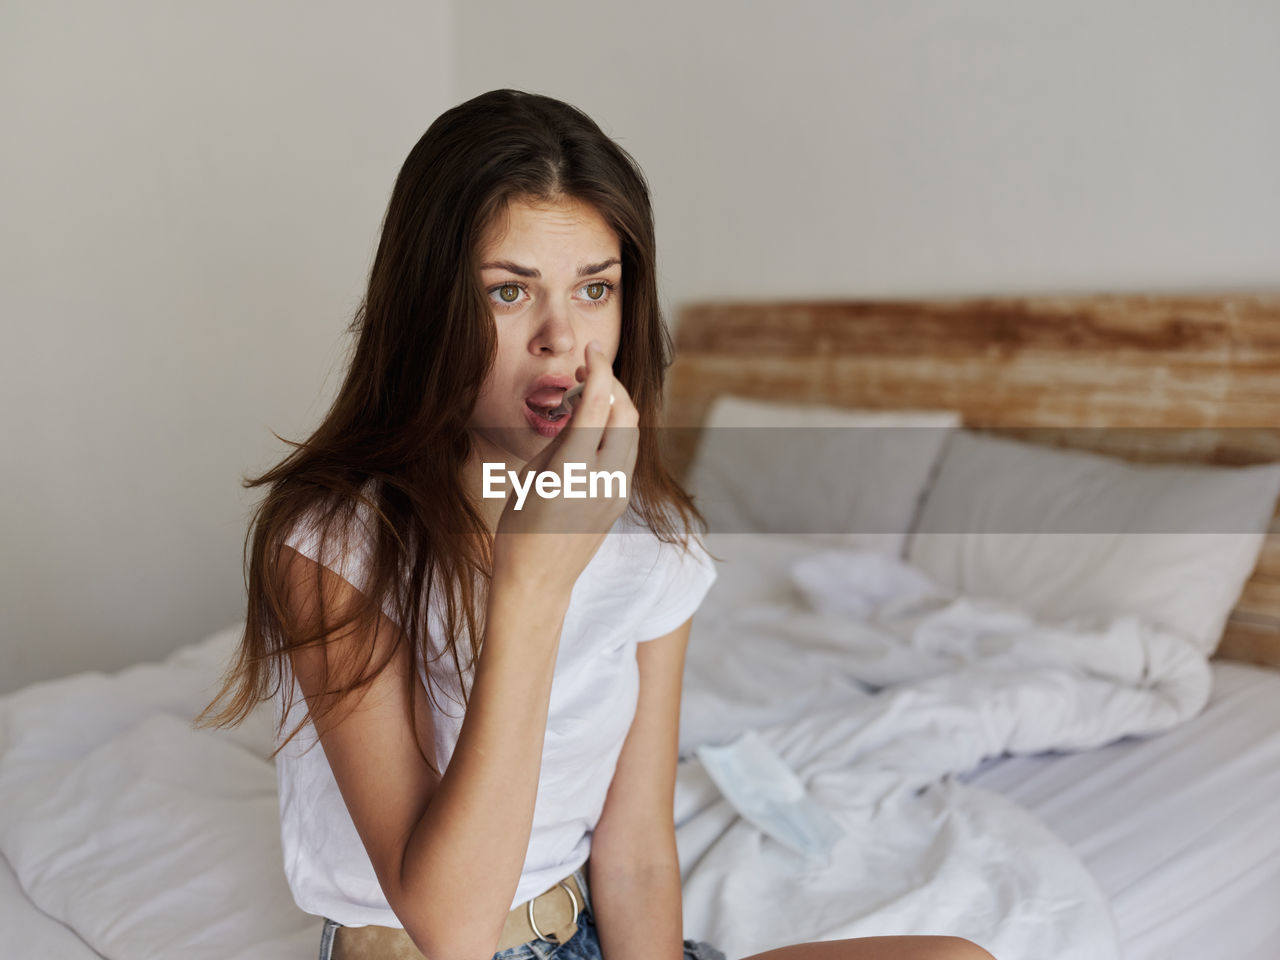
(530, 272)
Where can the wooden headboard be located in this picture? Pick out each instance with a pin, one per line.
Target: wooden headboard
(1037, 368)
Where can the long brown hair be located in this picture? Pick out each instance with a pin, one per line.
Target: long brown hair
(424, 341)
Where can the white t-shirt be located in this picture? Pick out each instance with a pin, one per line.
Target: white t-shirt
(635, 588)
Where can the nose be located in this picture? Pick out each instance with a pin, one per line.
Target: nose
(554, 332)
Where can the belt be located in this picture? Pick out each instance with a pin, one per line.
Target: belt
(552, 916)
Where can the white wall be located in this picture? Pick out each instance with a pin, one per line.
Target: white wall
(924, 147)
(192, 194)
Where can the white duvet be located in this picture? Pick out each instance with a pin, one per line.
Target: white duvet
(151, 839)
(789, 645)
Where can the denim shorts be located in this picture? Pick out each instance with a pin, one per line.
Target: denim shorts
(583, 945)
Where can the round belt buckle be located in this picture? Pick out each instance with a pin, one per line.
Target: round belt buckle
(573, 899)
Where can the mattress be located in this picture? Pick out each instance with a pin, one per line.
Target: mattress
(1179, 830)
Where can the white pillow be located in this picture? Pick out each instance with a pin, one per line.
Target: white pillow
(851, 478)
(1072, 533)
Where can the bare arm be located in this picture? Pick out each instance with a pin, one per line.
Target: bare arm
(448, 852)
(635, 868)
(465, 856)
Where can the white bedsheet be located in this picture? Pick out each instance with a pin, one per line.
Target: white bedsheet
(1181, 830)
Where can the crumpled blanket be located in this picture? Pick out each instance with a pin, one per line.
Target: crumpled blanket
(146, 837)
(877, 688)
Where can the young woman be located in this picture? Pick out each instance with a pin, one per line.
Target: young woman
(497, 764)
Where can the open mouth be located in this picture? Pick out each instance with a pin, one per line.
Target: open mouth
(551, 414)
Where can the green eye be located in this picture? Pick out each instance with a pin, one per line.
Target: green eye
(509, 288)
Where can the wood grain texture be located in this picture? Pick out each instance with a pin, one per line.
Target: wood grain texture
(1204, 369)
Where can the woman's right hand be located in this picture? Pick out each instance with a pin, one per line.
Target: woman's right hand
(547, 543)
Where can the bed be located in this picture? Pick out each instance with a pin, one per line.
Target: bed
(127, 834)
(1178, 828)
